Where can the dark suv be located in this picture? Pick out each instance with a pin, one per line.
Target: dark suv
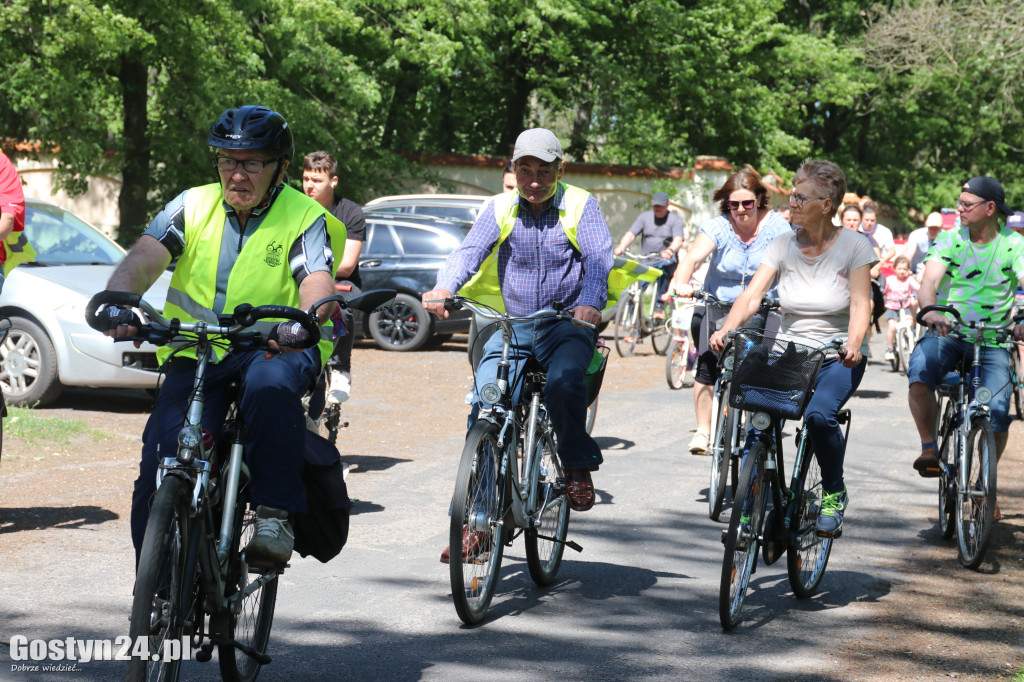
(404, 253)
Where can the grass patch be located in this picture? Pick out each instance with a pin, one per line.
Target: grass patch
(37, 430)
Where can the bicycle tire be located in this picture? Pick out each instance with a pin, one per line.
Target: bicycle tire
(544, 556)
(661, 337)
(627, 329)
(161, 603)
(976, 505)
(808, 553)
(592, 414)
(721, 444)
(904, 344)
(328, 424)
(947, 480)
(251, 626)
(676, 360)
(741, 542)
(477, 508)
(1017, 387)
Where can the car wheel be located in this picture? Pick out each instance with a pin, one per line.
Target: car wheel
(405, 326)
(28, 365)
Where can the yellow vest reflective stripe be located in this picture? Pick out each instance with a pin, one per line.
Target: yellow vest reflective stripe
(484, 285)
(259, 275)
(18, 251)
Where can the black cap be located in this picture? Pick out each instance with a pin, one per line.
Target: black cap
(988, 189)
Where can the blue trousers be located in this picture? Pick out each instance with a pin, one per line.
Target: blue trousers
(564, 350)
(269, 397)
(834, 387)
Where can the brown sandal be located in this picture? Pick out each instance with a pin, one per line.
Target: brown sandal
(927, 464)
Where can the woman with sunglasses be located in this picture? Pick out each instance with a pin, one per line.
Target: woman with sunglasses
(734, 240)
(823, 276)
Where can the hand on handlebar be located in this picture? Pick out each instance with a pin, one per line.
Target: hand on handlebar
(852, 357)
(433, 302)
(938, 323)
(287, 337)
(717, 341)
(685, 290)
(588, 314)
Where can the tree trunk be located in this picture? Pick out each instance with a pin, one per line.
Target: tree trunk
(135, 173)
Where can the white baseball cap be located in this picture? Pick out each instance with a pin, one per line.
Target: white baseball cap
(538, 142)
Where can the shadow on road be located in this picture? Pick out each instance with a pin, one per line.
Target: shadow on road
(15, 520)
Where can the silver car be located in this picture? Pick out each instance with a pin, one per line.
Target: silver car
(456, 207)
(49, 345)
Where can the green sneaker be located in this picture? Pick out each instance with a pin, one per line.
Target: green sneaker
(830, 518)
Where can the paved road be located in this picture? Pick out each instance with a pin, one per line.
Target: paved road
(640, 601)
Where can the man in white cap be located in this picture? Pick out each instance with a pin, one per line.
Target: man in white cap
(975, 269)
(548, 243)
(920, 240)
(661, 236)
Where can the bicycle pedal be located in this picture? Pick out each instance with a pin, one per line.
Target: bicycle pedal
(725, 535)
(835, 536)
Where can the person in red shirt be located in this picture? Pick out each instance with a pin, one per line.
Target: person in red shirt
(12, 205)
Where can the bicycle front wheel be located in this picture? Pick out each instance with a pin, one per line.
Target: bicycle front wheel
(329, 422)
(627, 323)
(256, 587)
(660, 335)
(976, 505)
(1017, 385)
(947, 480)
(165, 585)
(904, 344)
(545, 542)
(676, 360)
(741, 541)
(592, 414)
(721, 453)
(475, 540)
(808, 554)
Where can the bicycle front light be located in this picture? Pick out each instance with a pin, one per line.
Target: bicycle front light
(760, 421)
(190, 439)
(983, 395)
(490, 394)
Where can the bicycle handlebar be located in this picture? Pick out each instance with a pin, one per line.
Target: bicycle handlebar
(456, 302)
(978, 328)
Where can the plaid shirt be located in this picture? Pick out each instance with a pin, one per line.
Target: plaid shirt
(537, 265)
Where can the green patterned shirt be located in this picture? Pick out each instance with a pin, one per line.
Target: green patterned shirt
(980, 279)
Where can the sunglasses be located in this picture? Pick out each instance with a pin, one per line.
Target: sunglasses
(747, 204)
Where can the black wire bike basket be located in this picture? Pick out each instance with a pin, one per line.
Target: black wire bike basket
(773, 375)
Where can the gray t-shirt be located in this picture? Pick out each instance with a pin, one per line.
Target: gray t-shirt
(814, 293)
(657, 236)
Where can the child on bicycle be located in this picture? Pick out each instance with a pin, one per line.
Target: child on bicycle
(900, 293)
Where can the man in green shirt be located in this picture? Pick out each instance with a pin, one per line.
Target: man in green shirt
(975, 269)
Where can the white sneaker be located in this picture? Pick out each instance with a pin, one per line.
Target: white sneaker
(699, 444)
(890, 355)
(340, 386)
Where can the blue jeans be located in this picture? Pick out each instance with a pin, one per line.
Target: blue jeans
(668, 269)
(833, 388)
(270, 401)
(936, 356)
(564, 350)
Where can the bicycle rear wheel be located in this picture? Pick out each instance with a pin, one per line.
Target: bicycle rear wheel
(947, 480)
(256, 587)
(721, 453)
(741, 541)
(976, 505)
(475, 536)
(676, 361)
(627, 323)
(808, 554)
(545, 543)
(162, 604)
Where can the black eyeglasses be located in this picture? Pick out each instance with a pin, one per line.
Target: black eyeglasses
(748, 204)
(227, 164)
(799, 199)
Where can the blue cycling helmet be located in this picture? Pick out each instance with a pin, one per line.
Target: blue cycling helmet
(253, 127)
